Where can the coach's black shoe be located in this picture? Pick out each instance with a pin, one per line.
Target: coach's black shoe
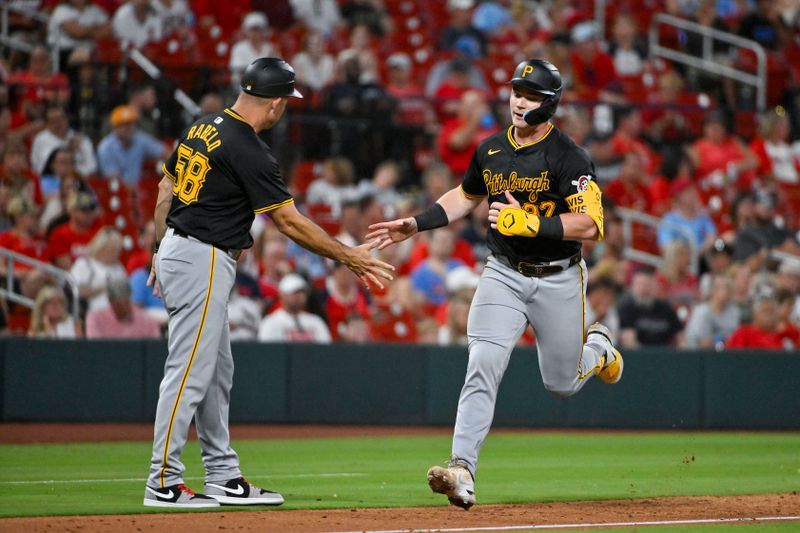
(239, 491)
(177, 496)
(611, 370)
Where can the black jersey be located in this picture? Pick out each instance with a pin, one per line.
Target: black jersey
(540, 175)
(224, 175)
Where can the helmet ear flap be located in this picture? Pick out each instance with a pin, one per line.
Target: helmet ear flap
(544, 112)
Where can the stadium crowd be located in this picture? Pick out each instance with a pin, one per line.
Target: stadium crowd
(398, 93)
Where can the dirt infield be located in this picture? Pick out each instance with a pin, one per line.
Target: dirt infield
(483, 516)
(341, 520)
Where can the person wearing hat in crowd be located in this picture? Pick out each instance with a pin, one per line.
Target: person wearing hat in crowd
(253, 44)
(220, 176)
(123, 152)
(68, 241)
(22, 237)
(460, 30)
(718, 259)
(292, 322)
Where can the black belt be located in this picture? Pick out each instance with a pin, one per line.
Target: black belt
(234, 253)
(539, 270)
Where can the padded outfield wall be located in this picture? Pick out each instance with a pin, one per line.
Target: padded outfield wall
(117, 381)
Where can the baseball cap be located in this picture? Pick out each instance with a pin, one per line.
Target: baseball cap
(583, 32)
(291, 283)
(81, 200)
(19, 205)
(460, 4)
(399, 60)
(765, 198)
(720, 246)
(459, 278)
(255, 20)
(123, 114)
(680, 185)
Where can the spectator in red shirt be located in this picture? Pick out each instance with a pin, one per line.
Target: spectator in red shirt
(17, 175)
(21, 238)
(787, 327)
(630, 189)
(628, 137)
(69, 241)
(720, 159)
(461, 135)
(412, 107)
(120, 319)
(763, 332)
(342, 299)
(593, 69)
(39, 77)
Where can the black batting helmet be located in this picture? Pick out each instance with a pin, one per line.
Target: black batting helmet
(541, 77)
(269, 77)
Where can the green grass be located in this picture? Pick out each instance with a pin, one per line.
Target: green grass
(390, 472)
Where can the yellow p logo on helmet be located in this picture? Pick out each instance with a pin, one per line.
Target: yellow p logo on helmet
(527, 70)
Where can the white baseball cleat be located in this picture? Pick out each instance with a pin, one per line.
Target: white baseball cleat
(455, 482)
(239, 491)
(611, 370)
(177, 495)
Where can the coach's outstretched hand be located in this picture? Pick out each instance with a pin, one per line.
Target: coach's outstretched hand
(392, 231)
(367, 268)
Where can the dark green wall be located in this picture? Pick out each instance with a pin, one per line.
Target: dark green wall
(400, 384)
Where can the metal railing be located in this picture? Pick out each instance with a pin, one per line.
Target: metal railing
(18, 44)
(134, 55)
(10, 259)
(707, 62)
(630, 217)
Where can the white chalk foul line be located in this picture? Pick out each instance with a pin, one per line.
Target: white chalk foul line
(191, 478)
(574, 526)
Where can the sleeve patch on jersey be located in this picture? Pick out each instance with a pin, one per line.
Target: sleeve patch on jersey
(589, 202)
(273, 207)
(582, 183)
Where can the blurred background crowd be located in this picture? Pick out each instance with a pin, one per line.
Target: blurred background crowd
(700, 172)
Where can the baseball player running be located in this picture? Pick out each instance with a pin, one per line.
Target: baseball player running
(543, 202)
(218, 178)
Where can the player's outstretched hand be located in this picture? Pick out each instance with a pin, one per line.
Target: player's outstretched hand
(366, 267)
(151, 278)
(496, 207)
(392, 231)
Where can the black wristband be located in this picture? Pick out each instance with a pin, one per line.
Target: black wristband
(551, 228)
(432, 218)
(156, 244)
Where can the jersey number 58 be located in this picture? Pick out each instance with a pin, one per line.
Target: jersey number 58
(191, 168)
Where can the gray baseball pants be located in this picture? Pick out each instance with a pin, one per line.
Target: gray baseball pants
(504, 304)
(195, 281)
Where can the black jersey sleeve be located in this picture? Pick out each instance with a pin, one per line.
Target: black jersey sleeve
(168, 167)
(473, 184)
(261, 179)
(574, 169)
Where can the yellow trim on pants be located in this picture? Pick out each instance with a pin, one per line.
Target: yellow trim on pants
(188, 367)
(599, 364)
